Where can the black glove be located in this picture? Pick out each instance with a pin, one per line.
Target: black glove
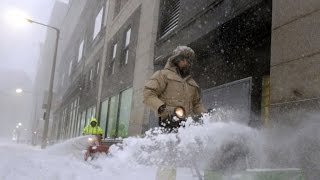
(161, 109)
(165, 111)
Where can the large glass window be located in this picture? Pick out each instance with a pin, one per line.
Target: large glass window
(70, 68)
(114, 53)
(98, 23)
(60, 126)
(126, 56)
(126, 47)
(75, 118)
(128, 35)
(93, 111)
(79, 118)
(98, 67)
(63, 123)
(66, 122)
(125, 110)
(103, 115)
(112, 118)
(78, 133)
(80, 51)
(83, 120)
(70, 120)
(91, 75)
(89, 115)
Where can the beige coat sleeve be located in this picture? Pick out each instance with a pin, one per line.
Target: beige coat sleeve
(152, 90)
(198, 107)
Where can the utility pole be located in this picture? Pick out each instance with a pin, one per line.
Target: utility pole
(50, 90)
(50, 94)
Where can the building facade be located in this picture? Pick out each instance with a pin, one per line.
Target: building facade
(78, 66)
(129, 53)
(112, 47)
(103, 63)
(231, 40)
(257, 58)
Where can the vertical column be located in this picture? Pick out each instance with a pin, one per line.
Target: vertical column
(144, 64)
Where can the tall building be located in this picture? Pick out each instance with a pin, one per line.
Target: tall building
(103, 65)
(83, 34)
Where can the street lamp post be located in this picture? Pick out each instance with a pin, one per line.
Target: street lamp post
(50, 93)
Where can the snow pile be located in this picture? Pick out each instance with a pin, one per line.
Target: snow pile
(194, 143)
(217, 145)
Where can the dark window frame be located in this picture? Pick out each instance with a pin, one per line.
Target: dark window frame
(98, 67)
(126, 48)
(113, 57)
(103, 8)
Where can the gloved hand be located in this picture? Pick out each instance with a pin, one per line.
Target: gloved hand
(165, 111)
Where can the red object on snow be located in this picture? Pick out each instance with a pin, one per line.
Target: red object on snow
(91, 150)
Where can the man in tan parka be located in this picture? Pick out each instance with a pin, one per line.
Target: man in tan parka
(173, 86)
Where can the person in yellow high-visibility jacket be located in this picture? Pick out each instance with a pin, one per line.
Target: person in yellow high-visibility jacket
(92, 128)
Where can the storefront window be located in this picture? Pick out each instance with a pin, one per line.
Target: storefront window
(125, 110)
(78, 118)
(83, 121)
(89, 113)
(78, 132)
(93, 111)
(112, 118)
(70, 121)
(75, 113)
(65, 123)
(103, 115)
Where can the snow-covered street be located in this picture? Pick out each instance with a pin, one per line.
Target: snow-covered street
(22, 162)
(139, 158)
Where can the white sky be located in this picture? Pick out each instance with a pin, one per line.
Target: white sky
(20, 45)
